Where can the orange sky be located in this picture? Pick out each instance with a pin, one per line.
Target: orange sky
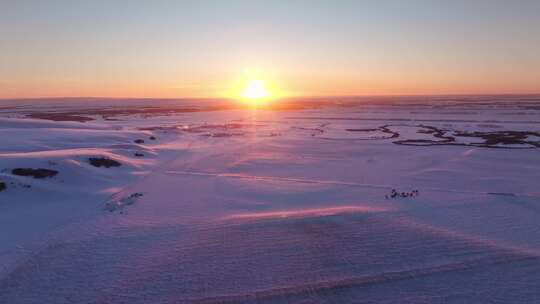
(314, 48)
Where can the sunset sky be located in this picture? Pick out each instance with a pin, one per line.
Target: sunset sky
(312, 47)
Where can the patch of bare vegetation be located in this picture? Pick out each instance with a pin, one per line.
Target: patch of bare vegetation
(35, 173)
(384, 129)
(494, 139)
(60, 117)
(399, 194)
(103, 162)
(120, 204)
(503, 137)
(112, 114)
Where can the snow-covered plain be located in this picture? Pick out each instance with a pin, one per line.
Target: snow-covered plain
(219, 204)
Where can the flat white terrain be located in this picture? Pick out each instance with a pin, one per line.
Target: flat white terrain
(336, 201)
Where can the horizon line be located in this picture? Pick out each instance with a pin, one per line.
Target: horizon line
(282, 98)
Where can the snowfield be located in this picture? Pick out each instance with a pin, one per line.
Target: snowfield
(369, 200)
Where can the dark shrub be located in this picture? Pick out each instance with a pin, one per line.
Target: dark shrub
(103, 162)
(35, 173)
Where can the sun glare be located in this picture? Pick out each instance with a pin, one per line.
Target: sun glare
(256, 90)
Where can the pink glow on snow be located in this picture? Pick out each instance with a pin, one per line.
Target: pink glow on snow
(306, 212)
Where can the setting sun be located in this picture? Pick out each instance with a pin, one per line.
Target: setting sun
(255, 90)
(255, 86)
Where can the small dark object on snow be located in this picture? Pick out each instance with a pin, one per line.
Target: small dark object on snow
(152, 138)
(136, 195)
(2, 186)
(35, 173)
(102, 161)
(138, 154)
(139, 141)
(396, 194)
